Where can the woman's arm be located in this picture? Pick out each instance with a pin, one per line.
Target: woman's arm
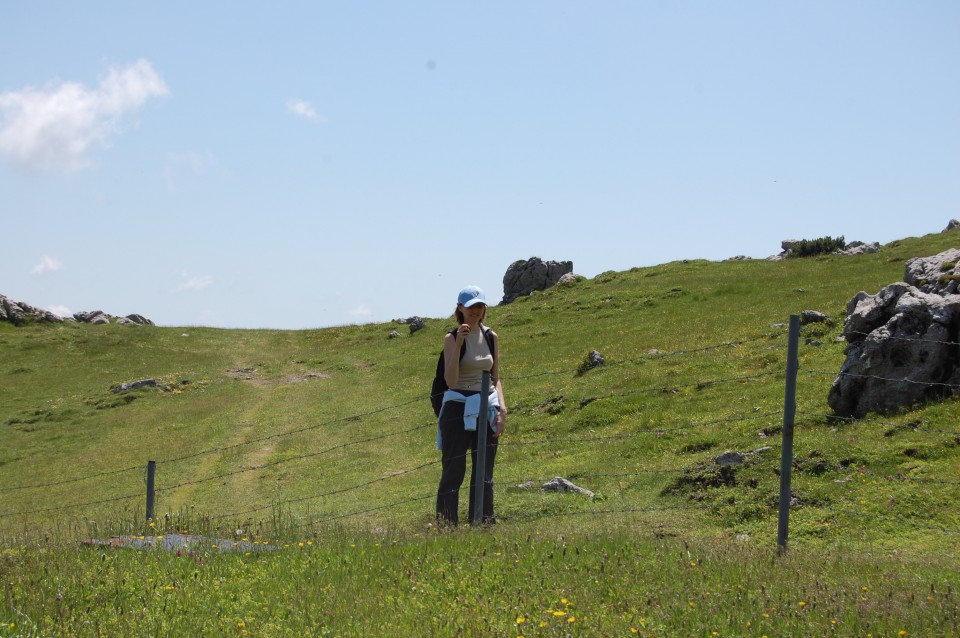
(451, 359)
(501, 420)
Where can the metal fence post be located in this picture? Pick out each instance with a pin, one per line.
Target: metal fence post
(151, 472)
(786, 450)
(480, 467)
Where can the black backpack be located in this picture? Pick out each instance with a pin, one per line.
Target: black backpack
(439, 383)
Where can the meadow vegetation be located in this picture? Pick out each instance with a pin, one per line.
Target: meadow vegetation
(318, 448)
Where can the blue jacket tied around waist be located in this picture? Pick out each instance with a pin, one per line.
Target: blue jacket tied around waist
(471, 410)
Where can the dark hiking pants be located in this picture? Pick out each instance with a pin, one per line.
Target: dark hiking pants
(456, 443)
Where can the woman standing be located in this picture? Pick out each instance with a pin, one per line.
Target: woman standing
(468, 352)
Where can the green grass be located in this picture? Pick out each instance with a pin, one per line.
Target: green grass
(326, 438)
(507, 583)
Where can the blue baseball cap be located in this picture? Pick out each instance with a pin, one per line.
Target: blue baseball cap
(471, 296)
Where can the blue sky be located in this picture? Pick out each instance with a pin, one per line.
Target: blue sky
(308, 164)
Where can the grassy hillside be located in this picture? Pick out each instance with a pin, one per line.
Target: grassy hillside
(306, 435)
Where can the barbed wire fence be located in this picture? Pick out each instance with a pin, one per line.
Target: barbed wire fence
(571, 447)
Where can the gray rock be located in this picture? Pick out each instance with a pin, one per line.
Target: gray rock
(859, 248)
(523, 277)
(560, 484)
(812, 316)
(899, 343)
(730, 459)
(135, 385)
(593, 360)
(933, 274)
(84, 316)
(415, 323)
(952, 224)
(140, 320)
(99, 317)
(570, 278)
(17, 312)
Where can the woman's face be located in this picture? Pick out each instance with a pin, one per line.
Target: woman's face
(474, 313)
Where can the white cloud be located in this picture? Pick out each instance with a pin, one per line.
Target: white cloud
(303, 109)
(361, 312)
(193, 282)
(47, 264)
(60, 311)
(53, 128)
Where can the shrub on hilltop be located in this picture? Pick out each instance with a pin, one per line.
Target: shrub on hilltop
(820, 246)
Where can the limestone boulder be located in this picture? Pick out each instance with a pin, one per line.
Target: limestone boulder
(525, 276)
(19, 312)
(901, 342)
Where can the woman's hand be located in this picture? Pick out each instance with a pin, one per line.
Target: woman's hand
(500, 423)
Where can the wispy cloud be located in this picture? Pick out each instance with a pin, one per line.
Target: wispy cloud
(53, 128)
(361, 312)
(46, 265)
(60, 311)
(193, 282)
(303, 109)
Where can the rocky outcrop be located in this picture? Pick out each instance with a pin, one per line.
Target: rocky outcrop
(415, 323)
(525, 276)
(859, 248)
(18, 312)
(852, 248)
(902, 342)
(99, 317)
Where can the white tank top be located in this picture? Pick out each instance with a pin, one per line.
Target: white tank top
(475, 361)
